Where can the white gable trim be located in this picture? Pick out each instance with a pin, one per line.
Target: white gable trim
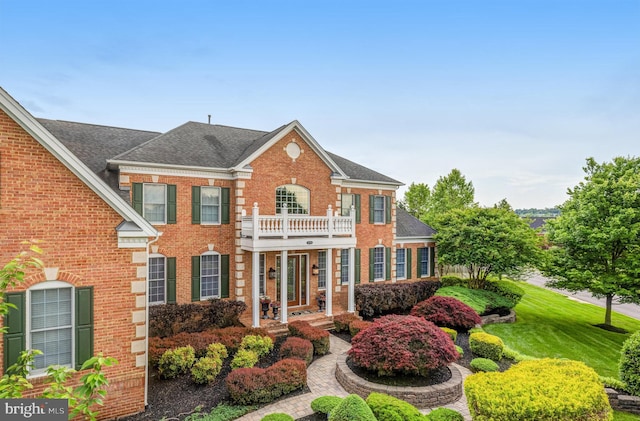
(306, 136)
(77, 167)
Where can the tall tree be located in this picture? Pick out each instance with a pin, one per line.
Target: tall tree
(450, 192)
(486, 241)
(596, 239)
(417, 200)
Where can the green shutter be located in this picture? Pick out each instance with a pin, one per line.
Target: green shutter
(225, 204)
(357, 267)
(224, 276)
(138, 193)
(14, 322)
(387, 209)
(419, 267)
(172, 200)
(195, 204)
(387, 263)
(432, 261)
(195, 278)
(84, 325)
(356, 204)
(371, 207)
(171, 279)
(371, 260)
(408, 263)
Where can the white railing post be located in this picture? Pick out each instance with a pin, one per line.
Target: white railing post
(285, 221)
(255, 215)
(330, 221)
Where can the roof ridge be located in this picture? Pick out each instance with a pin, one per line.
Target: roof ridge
(229, 127)
(98, 125)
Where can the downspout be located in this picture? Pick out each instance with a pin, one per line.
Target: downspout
(146, 318)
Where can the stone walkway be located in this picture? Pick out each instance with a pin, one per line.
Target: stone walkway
(321, 379)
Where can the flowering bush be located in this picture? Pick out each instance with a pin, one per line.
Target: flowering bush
(294, 347)
(249, 386)
(447, 312)
(318, 337)
(402, 344)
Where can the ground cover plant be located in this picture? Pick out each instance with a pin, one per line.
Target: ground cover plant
(551, 325)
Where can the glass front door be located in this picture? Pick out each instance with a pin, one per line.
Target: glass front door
(296, 279)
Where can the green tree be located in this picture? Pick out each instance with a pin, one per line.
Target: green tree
(596, 239)
(486, 241)
(417, 200)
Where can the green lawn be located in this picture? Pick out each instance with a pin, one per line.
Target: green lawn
(551, 325)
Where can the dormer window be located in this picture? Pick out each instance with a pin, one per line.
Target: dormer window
(296, 198)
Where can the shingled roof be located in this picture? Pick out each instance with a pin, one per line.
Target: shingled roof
(408, 226)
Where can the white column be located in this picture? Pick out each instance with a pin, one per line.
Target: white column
(351, 307)
(255, 289)
(329, 291)
(283, 286)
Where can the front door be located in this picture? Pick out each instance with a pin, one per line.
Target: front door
(296, 279)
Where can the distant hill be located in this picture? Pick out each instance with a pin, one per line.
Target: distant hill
(534, 212)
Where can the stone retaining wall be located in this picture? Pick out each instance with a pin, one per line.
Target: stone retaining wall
(420, 397)
(621, 402)
(494, 318)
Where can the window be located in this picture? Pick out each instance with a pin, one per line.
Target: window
(344, 266)
(154, 203)
(378, 210)
(263, 283)
(51, 324)
(209, 276)
(210, 202)
(295, 197)
(157, 280)
(423, 264)
(346, 201)
(401, 263)
(322, 269)
(378, 264)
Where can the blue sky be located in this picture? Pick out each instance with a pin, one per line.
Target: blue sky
(515, 94)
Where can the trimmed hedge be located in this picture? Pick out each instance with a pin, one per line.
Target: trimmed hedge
(445, 414)
(169, 319)
(481, 300)
(451, 281)
(402, 344)
(506, 288)
(353, 407)
(318, 337)
(486, 345)
(386, 407)
(483, 365)
(325, 404)
(630, 363)
(447, 312)
(341, 321)
(249, 386)
(546, 389)
(294, 347)
(378, 299)
(357, 325)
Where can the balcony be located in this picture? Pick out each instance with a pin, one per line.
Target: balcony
(297, 232)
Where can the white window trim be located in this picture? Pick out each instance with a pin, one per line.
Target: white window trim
(404, 264)
(207, 297)
(384, 266)
(39, 287)
(157, 255)
(384, 204)
(202, 188)
(164, 222)
(426, 253)
(342, 272)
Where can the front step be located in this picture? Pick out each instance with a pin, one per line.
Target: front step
(318, 320)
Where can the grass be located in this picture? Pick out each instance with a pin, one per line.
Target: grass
(551, 325)
(624, 416)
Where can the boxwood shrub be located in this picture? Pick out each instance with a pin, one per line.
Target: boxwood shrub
(353, 407)
(325, 404)
(506, 288)
(630, 363)
(483, 364)
(444, 414)
(486, 345)
(546, 389)
(386, 407)
(277, 416)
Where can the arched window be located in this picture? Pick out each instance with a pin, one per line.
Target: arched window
(297, 199)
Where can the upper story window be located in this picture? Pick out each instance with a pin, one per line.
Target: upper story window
(210, 205)
(157, 280)
(297, 199)
(346, 201)
(154, 203)
(378, 264)
(51, 324)
(401, 263)
(209, 276)
(378, 210)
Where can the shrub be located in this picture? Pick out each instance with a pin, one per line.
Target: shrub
(206, 369)
(386, 407)
(460, 350)
(357, 325)
(480, 300)
(483, 364)
(454, 281)
(614, 383)
(486, 345)
(377, 299)
(447, 312)
(294, 347)
(445, 414)
(261, 345)
(514, 355)
(278, 416)
(453, 334)
(630, 363)
(506, 288)
(169, 319)
(546, 389)
(248, 386)
(176, 361)
(318, 337)
(402, 344)
(353, 407)
(232, 337)
(244, 358)
(217, 350)
(325, 404)
(341, 321)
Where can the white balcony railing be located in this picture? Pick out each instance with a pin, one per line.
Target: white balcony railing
(287, 225)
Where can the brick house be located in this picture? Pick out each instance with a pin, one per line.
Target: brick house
(215, 211)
